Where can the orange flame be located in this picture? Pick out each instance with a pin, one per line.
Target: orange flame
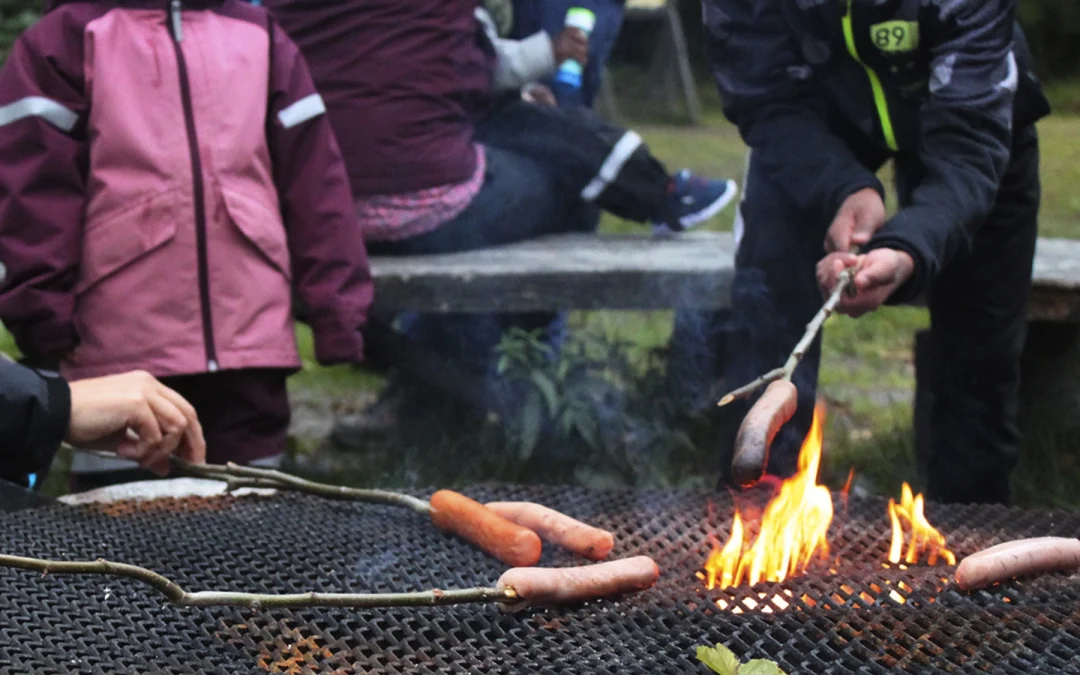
(793, 527)
(923, 535)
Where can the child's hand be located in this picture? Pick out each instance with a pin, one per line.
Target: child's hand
(879, 273)
(571, 43)
(538, 94)
(138, 417)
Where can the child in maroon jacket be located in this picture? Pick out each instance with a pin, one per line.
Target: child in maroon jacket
(169, 174)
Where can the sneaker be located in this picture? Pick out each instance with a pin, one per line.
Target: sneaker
(694, 200)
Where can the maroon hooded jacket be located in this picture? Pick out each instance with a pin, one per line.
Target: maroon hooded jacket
(168, 173)
(403, 80)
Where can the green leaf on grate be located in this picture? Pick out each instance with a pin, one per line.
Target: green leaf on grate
(719, 659)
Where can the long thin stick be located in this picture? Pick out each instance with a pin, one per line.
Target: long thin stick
(178, 596)
(812, 329)
(272, 478)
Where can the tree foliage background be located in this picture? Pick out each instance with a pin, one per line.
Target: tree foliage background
(1052, 27)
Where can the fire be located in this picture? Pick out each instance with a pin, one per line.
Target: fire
(793, 527)
(923, 535)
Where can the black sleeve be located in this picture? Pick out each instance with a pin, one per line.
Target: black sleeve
(966, 136)
(768, 92)
(35, 409)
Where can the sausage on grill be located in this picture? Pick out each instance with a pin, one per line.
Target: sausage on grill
(558, 528)
(1018, 558)
(511, 543)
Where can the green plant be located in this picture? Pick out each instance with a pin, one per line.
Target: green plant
(599, 402)
(722, 660)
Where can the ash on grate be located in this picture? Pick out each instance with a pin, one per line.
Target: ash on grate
(843, 616)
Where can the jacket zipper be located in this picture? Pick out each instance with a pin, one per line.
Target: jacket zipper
(198, 193)
(880, 101)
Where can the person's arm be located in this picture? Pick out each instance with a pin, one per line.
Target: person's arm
(34, 414)
(966, 129)
(132, 414)
(42, 186)
(329, 260)
(767, 92)
(518, 62)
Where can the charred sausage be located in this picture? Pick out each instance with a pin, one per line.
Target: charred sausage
(757, 431)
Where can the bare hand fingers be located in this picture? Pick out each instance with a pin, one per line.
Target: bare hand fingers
(193, 443)
(173, 423)
(838, 238)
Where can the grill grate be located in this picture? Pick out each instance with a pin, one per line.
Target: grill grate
(832, 623)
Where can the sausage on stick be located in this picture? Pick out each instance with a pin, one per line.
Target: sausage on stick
(568, 585)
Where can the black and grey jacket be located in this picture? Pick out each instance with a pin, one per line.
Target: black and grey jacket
(942, 81)
(35, 409)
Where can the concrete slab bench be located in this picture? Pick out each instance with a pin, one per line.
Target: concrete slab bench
(583, 271)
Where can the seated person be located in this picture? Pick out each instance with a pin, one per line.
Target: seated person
(39, 410)
(442, 161)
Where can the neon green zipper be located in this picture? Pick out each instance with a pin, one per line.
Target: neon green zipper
(880, 102)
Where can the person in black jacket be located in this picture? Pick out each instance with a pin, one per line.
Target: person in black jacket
(825, 92)
(39, 410)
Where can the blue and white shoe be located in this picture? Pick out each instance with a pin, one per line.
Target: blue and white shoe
(694, 200)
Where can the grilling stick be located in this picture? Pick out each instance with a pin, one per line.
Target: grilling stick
(780, 400)
(509, 531)
(516, 589)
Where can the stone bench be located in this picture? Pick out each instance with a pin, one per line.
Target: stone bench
(694, 271)
(633, 272)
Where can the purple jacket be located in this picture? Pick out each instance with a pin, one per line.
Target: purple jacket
(167, 174)
(404, 81)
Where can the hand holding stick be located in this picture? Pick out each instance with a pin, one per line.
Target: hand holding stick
(843, 285)
(780, 401)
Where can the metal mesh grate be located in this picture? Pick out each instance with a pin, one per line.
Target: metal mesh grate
(824, 622)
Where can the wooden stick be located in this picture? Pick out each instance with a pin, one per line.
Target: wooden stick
(797, 354)
(237, 476)
(178, 596)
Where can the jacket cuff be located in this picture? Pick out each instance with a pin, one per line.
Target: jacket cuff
(537, 54)
(48, 431)
(337, 344)
(60, 409)
(899, 234)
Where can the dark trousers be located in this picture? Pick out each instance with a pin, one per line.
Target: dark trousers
(540, 161)
(520, 199)
(978, 314)
(589, 159)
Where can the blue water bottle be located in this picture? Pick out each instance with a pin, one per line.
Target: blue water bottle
(569, 76)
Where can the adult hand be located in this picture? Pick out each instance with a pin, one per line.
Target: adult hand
(539, 94)
(138, 417)
(860, 216)
(880, 273)
(571, 43)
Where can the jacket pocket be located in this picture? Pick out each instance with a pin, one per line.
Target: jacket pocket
(261, 227)
(115, 241)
